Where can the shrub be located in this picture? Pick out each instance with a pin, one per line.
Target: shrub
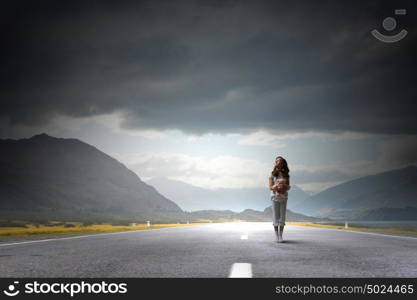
(87, 223)
(9, 223)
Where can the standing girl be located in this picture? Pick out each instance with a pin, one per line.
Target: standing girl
(279, 184)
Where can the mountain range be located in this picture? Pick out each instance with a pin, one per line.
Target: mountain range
(48, 178)
(192, 198)
(388, 192)
(67, 179)
(390, 195)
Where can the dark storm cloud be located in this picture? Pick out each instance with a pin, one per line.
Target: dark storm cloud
(227, 66)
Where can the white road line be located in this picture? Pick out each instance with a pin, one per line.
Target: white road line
(87, 235)
(47, 240)
(385, 235)
(244, 237)
(363, 232)
(241, 270)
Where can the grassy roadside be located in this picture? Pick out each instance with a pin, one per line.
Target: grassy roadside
(78, 228)
(59, 228)
(364, 229)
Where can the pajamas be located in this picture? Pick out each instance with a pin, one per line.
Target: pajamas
(279, 209)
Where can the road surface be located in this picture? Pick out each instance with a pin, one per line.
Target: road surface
(214, 250)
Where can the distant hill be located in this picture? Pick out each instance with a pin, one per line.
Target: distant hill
(192, 198)
(246, 215)
(396, 189)
(47, 176)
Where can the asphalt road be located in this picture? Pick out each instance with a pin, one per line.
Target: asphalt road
(214, 250)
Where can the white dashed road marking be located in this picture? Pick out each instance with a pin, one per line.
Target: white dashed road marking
(82, 236)
(241, 270)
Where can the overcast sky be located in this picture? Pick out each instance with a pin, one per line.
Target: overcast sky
(209, 92)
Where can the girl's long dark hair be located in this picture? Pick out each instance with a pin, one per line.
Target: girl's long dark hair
(284, 171)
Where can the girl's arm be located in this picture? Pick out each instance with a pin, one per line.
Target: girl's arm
(270, 182)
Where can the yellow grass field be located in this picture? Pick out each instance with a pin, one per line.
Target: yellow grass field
(365, 229)
(32, 230)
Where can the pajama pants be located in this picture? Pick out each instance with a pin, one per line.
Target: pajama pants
(279, 209)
